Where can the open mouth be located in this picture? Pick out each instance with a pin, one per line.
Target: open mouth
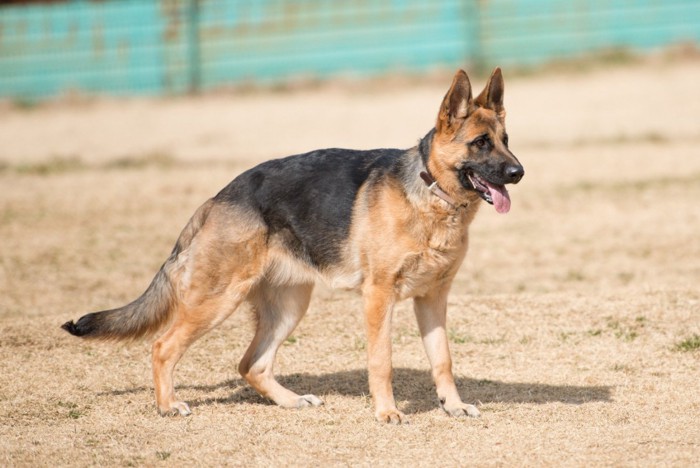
(496, 195)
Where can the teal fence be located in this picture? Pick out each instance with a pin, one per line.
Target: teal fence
(173, 46)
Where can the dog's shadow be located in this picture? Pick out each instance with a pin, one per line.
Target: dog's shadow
(410, 385)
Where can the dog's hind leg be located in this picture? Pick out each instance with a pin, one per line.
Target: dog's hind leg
(191, 323)
(216, 272)
(278, 310)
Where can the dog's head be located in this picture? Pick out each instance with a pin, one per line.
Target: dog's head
(469, 155)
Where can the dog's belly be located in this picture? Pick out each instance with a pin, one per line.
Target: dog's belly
(285, 269)
(416, 275)
(344, 280)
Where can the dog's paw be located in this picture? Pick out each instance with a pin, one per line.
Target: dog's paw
(308, 400)
(392, 416)
(461, 410)
(177, 408)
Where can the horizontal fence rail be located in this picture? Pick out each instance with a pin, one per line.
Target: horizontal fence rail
(127, 47)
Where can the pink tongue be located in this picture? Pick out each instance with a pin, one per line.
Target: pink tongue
(500, 197)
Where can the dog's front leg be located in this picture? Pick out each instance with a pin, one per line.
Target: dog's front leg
(379, 304)
(431, 314)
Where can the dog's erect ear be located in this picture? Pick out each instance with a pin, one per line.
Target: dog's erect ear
(455, 105)
(492, 95)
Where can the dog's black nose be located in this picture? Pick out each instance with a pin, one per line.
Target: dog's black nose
(514, 173)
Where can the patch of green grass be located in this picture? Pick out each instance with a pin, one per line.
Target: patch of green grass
(652, 138)
(404, 334)
(689, 344)
(626, 332)
(73, 411)
(612, 56)
(564, 336)
(484, 382)
(493, 341)
(162, 455)
(291, 339)
(156, 159)
(620, 139)
(575, 276)
(56, 165)
(135, 461)
(627, 335)
(458, 338)
(622, 368)
(625, 277)
(75, 414)
(636, 186)
(526, 340)
(63, 164)
(8, 214)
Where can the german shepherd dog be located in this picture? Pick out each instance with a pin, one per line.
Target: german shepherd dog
(390, 223)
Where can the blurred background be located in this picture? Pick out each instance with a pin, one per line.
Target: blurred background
(577, 313)
(166, 47)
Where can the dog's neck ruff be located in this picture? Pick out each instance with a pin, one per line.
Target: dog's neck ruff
(436, 190)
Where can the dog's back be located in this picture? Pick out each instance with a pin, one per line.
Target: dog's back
(306, 201)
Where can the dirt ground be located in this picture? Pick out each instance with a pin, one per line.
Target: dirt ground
(574, 323)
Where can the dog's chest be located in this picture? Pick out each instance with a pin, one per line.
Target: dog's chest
(435, 259)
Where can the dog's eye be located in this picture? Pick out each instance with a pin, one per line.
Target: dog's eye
(480, 142)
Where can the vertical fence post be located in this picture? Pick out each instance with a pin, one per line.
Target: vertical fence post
(193, 46)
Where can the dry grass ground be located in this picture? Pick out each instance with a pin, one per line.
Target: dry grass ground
(574, 322)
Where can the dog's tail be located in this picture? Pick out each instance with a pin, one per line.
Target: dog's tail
(150, 312)
(142, 317)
